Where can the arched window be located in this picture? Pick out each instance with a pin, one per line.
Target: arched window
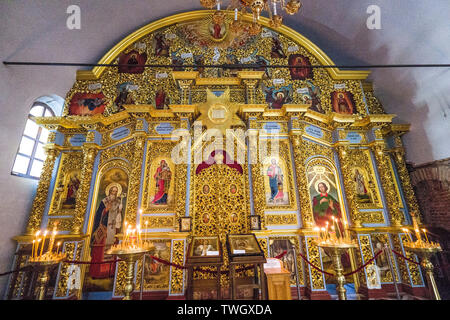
(31, 155)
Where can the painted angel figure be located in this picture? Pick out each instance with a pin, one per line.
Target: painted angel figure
(160, 45)
(314, 93)
(277, 98)
(124, 96)
(277, 48)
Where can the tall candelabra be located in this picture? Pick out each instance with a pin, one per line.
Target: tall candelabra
(130, 250)
(42, 268)
(424, 249)
(42, 262)
(336, 242)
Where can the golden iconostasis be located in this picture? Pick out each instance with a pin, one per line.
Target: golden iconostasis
(130, 148)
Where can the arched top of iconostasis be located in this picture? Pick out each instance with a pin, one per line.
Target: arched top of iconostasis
(87, 83)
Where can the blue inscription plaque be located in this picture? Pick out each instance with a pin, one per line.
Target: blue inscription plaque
(77, 140)
(314, 131)
(120, 133)
(354, 137)
(164, 128)
(272, 126)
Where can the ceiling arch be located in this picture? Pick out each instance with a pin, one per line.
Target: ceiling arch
(114, 52)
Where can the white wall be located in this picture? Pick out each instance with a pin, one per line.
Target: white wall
(35, 30)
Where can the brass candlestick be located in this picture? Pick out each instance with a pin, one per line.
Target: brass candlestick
(130, 256)
(425, 253)
(336, 250)
(43, 267)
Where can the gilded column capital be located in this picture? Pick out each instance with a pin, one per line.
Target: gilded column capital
(250, 85)
(185, 86)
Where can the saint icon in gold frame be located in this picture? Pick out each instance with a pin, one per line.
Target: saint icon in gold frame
(243, 245)
(204, 247)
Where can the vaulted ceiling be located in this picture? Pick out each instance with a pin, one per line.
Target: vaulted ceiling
(411, 32)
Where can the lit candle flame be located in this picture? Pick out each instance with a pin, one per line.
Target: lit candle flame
(425, 232)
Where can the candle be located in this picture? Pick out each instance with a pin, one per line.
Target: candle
(275, 8)
(417, 232)
(138, 229)
(409, 235)
(37, 248)
(346, 235)
(43, 242)
(32, 249)
(338, 233)
(146, 223)
(127, 234)
(52, 239)
(235, 14)
(333, 233)
(317, 230)
(425, 232)
(218, 5)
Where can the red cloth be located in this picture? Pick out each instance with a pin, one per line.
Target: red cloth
(226, 160)
(217, 29)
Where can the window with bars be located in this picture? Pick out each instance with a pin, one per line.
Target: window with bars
(31, 155)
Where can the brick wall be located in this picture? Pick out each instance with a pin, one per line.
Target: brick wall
(431, 183)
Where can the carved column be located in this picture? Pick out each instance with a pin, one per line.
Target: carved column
(37, 210)
(400, 163)
(343, 152)
(135, 176)
(250, 88)
(301, 181)
(387, 182)
(251, 79)
(184, 79)
(89, 153)
(258, 188)
(185, 86)
(255, 164)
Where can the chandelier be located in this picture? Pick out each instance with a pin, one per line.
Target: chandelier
(257, 7)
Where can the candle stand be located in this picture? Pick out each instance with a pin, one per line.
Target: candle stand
(336, 250)
(425, 253)
(425, 249)
(130, 256)
(42, 267)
